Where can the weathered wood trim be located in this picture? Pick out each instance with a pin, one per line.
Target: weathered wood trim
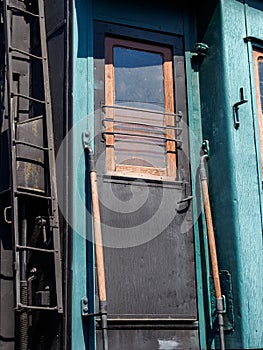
(258, 56)
(109, 100)
(166, 53)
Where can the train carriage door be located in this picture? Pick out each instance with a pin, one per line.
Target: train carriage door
(141, 149)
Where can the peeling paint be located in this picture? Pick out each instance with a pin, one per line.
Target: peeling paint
(31, 174)
(167, 344)
(34, 127)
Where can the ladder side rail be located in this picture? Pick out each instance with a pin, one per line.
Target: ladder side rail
(12, 152)
(51, 158)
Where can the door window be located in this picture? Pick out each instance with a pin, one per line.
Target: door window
(140, 124)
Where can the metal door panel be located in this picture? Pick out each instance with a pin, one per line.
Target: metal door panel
(147, 233)
(149, 258)
(145, 339)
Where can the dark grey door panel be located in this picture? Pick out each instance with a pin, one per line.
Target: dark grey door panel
(147, 233)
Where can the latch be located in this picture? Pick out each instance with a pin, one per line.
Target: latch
(228, 305)
(206, 147)
(201, 49)
(199, 52)
(42, 224)
(85, 309)
(187, 197)
(236, 107)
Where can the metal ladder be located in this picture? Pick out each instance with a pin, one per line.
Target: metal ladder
(32, 135)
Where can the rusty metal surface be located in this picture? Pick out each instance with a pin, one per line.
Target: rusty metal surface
(30, 164)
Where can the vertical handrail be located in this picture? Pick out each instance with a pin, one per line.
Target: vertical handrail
(51, 157)
(99, 252)
(212, 250)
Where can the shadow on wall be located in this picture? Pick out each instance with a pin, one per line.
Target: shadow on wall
(82, 9)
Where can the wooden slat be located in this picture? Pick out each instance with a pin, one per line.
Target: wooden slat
(135, 169)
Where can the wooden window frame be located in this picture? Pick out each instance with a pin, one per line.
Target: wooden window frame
(168, 173)
(258, 55)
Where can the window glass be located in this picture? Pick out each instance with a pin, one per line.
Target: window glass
(139, 96)
(138, 77)
(138, 81)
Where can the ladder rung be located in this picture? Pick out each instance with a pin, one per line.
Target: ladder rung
(18, 142)
(14, 8)
(31, 195)
(33, 307)
(13, 94)
(5, 191)
(26, 247)
(14, 49)
(30, 120)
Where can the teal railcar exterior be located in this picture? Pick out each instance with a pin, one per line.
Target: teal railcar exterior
(213, 87)
(160, 290)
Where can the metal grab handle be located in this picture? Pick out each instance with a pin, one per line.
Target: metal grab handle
(5, 215)
(99, 250)
(212, 245)
(187, 199)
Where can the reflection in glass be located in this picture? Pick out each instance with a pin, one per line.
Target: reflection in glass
(139, 83)
(138, 77)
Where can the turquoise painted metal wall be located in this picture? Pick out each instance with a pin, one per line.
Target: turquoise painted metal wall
(147, 15)
(82, 336)
(234, 176)
(195, 142)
